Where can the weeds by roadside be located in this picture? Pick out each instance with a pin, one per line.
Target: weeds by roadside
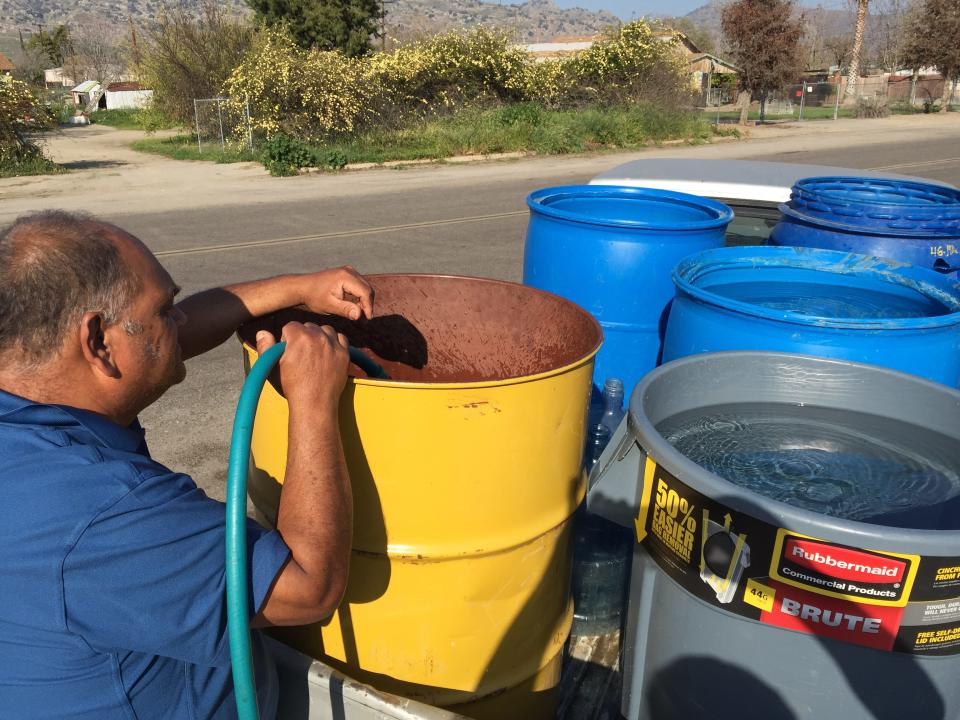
(133, 119)
(523, 127)
(37, 165)
(120, 119)
(184, 147)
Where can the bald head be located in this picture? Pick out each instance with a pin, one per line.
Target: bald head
(54, 267)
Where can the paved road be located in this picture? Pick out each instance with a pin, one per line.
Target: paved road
(232, 223)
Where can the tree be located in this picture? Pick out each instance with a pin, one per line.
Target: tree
(840, 47)
(887, 36)
(764, 39)
(187, 56)
(933, 38)
(96, 53)
(55, 44)
(345, 25)
(854, 78)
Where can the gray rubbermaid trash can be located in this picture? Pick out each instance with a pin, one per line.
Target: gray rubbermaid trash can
(744, 607)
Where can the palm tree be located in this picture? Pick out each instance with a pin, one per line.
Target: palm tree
(854, 77)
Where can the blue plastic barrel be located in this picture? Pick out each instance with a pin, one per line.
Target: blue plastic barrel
(817, 302)
(610, 249)
(910, 221)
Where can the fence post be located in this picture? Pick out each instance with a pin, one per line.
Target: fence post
(803, 97)
(836, 106)
(196, 118)
(220, 119)
(249, 128)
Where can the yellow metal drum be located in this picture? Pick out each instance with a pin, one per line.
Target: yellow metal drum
(465, 470)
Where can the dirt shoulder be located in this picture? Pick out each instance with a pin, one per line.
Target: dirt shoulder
(106, 176)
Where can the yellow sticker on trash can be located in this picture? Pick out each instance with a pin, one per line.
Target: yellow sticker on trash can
(759, 595)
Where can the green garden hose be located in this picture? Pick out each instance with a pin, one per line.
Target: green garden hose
(238, 610)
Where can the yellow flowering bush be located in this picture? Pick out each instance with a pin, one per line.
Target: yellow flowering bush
(629, 65)
(21, 115)
(318, 94)
(448, 71)
(301, 93)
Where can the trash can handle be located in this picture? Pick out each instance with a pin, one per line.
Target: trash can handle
(616, 481)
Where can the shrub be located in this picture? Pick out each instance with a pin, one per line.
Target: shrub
(524, 113)
(21, 115)
(322, 95)
(447, 72)
(307, 94)
(872, 108)
(630, 65)
(284, 155)
(189, 56)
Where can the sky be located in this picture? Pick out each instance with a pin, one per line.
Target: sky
(627, 8)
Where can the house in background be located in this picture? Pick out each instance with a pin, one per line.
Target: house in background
(6, 65)
(559, 47)
(89, 96)
(57, 78)
(125, 96)
(86, 95)
(713, 77)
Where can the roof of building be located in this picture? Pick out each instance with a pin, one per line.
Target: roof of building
(713, 58)
(124, 86)
(86, 86)
(6, 63)
(667, 35)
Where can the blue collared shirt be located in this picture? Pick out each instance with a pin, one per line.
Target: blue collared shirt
(112, 577)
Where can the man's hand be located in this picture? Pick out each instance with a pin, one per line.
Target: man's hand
(217, 313)
(342, 292)
(313, 368)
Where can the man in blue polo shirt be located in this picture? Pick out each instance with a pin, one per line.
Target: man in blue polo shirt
(111, 565)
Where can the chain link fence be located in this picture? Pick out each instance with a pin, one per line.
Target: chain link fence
(874, 96)
(222, 122)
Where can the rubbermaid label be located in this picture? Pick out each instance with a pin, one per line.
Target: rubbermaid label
(884, 600)
(843, 572)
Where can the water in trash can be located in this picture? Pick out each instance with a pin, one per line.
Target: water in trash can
(836, 462)
(833, 301)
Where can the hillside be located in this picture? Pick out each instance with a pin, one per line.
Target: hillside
(531, 21)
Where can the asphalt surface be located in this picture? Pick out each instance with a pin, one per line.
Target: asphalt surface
(465, 220)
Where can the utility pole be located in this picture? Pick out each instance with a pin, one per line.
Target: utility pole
(383, 23)
(133, 45)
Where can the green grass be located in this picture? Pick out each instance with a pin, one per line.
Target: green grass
(818, 113)
(33, 166)
(525, 127)
(132, 119)
(809, 113)
(184, 147)
(120, 119)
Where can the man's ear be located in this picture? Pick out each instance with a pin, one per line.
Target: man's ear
(93, 343)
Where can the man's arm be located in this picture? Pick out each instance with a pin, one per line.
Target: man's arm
(214, 315)
(316, 505)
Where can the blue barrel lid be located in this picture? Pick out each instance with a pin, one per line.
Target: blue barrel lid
(894, 204)
(898, 229)
(933, 285)
(629, 207)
